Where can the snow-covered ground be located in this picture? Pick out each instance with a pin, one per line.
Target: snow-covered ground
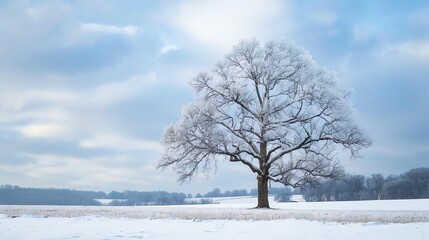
(382, 205)
(231, 218)
(123, 228)
(108, 201)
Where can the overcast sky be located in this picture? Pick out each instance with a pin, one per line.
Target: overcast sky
(87, 87)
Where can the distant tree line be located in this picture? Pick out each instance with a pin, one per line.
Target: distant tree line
(15, 195)
(412, 184)
(135, 198)
(216, 192)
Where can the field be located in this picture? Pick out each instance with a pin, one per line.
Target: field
(231, 218)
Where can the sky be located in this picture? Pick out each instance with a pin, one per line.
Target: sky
(88, 87)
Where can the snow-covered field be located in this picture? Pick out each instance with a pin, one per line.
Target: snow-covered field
(231, 218)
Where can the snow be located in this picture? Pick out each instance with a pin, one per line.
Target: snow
(297, 198)
(377, 205)
(107, 201)
(230, 218)
(123, 228)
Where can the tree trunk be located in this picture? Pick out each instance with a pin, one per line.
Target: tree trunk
(263, 192)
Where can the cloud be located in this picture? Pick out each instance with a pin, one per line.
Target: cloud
(167, 48)
(414, 49)
(102, 94)
(30, 24)
(71, 116)
(408, 56)
(113, 92)
(18, 99)
(221, 24)
(100, 28)
(44, 112)
(47, 10)
(43, 130)
(102, 172)
(120, 143)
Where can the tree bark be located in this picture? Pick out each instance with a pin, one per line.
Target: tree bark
(263, 192)
(263, 179)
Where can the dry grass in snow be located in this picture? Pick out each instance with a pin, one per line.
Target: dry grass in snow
(401, 211)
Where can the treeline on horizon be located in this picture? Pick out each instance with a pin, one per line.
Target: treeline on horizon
(412, 184)
(15, 195)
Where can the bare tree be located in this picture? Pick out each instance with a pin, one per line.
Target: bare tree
(375, 184)
(270, 108)
(355, 186)
(420, 179)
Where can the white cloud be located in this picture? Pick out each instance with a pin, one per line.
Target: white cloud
(168, 47)
(221, 24)
(47, 10)
(43, 130)
(106, 172)
(101, 28)
(17, 99)
(112, 92)
(21, 25)
(73, 115)
(411, 49)
(414, 49)
(107, 93)
(121, 143)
